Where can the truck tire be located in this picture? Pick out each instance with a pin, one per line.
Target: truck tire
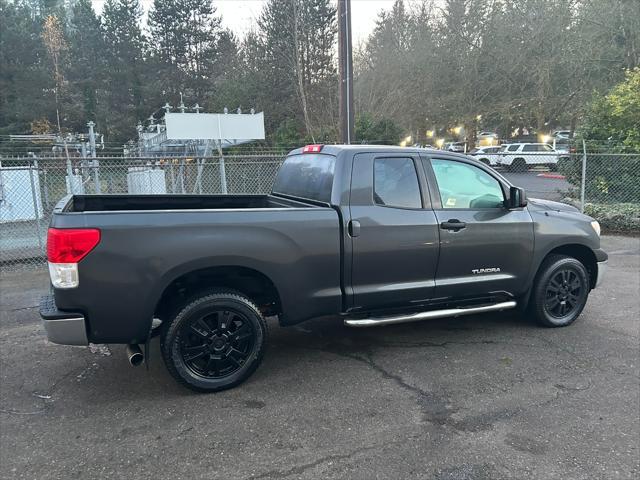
(518, 165)
(560, 291)
(215, 342)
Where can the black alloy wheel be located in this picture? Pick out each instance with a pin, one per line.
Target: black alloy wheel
(564, 291)
(215, 342)
(560, 291)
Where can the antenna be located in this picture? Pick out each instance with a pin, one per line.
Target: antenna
(182, 107)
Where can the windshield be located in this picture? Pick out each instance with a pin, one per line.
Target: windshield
(306, 176)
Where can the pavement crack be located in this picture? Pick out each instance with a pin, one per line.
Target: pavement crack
(300, 469)
(434, 408)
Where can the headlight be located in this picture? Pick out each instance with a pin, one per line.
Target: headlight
(596, 227)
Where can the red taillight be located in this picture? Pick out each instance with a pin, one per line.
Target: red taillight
(312, 149)
(70, 245)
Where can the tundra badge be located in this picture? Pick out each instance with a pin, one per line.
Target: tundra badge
(486, 270)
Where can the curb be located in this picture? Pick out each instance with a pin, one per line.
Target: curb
(552, 175)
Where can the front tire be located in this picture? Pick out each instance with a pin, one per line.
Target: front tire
(560, 291)
(215, 342)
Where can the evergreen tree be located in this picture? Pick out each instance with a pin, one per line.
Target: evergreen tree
(297, 45)
(124, 75)
(25, 83)
(187, 42)
(86, 65)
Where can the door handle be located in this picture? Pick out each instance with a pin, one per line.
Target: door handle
(453, 224)
(354, 228)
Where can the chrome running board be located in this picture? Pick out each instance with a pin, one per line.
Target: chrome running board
(414, 317)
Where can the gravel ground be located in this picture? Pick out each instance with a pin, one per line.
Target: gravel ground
(483, 397)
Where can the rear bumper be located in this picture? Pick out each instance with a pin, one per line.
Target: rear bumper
(64, 328)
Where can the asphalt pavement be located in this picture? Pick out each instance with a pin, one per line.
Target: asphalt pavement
(486, 397)
(540, 184)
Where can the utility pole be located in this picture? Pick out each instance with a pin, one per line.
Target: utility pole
(345, 59)
(94, 163)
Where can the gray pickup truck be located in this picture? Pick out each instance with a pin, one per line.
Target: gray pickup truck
(376, 235)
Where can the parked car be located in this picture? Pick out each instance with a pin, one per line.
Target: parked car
(487, 155)
(518, 157)
(375, 235)
(565, 134)
(563, 146)
(458, 147)
(486, 134)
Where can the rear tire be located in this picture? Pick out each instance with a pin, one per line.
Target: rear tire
(518, 165)
(560, 291)
(215, 342)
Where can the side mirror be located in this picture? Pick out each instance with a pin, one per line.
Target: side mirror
(517, 198)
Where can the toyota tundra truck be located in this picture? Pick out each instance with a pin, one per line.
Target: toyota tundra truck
(374, 235)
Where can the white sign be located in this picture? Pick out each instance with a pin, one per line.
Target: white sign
(214, 126)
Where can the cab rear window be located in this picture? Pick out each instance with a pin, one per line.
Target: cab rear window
(306, 176)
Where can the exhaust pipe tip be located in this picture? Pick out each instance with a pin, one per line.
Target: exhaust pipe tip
(135, 355)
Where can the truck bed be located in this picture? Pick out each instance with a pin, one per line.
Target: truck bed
(110, 203)
(149, 241)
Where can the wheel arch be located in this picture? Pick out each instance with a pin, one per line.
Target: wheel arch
(248, 281)
(580, 252)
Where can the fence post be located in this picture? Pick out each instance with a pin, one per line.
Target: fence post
(223, 175)
(584, 175)
(94, 163)
(36, 210)
(70, 176)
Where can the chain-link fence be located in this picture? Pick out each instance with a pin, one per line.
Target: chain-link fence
(30, 189)
(605, 185)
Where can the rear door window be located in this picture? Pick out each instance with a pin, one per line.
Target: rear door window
(395, 183)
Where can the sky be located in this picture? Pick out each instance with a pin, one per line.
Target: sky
(240, 15)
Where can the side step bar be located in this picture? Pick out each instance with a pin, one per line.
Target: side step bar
(414, 317)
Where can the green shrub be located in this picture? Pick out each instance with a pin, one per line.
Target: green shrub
(616, 217)
(610, 178)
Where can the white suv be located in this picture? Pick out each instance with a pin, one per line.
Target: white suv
(518, 157)
(487, 155)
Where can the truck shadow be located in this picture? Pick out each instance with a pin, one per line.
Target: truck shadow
(333, 335)
(297, 351)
